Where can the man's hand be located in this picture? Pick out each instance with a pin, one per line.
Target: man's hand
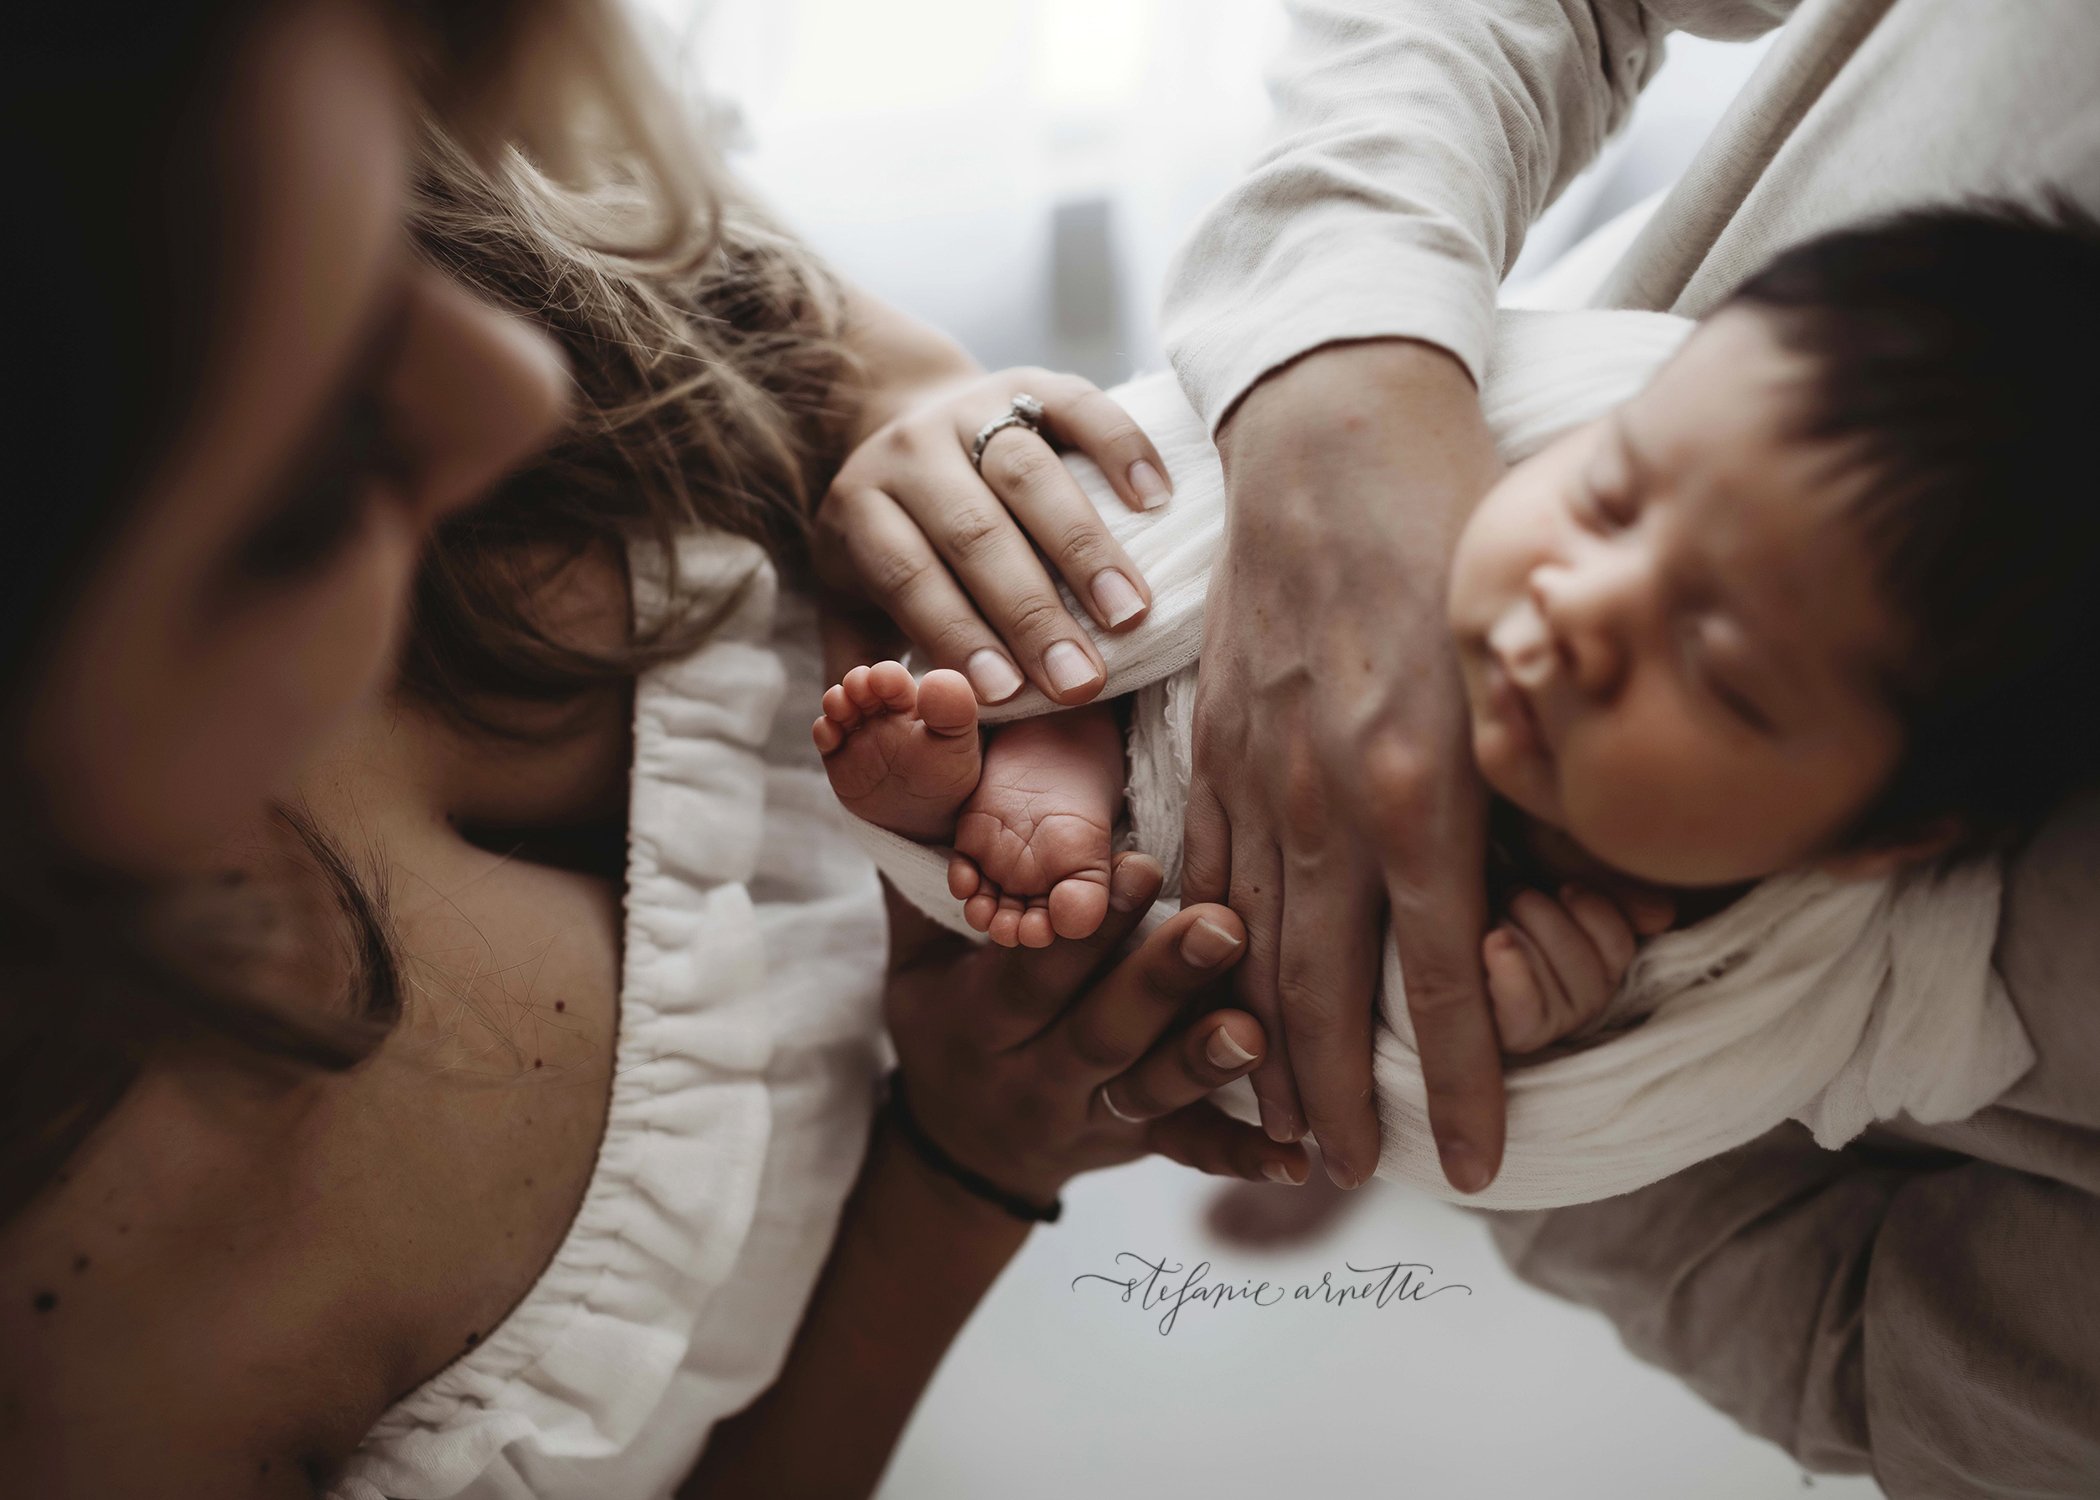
(1333, 772)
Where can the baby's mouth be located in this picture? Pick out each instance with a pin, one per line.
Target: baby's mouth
(1507, 702)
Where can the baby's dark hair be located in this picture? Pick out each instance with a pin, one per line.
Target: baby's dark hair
(1954, 354)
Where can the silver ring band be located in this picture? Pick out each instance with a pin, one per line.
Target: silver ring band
(1023, 411)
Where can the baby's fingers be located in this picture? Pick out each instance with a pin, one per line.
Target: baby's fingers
(1523, 1017)
(1609, 929)
(1565, 946)
(1567, 972)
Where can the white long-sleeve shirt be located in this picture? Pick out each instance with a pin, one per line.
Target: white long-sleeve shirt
(1416, 140)
(1918, 1304)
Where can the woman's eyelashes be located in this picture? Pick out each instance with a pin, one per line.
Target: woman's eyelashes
(326, 505)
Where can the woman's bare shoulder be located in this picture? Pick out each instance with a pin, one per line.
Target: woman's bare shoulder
(246, 1272)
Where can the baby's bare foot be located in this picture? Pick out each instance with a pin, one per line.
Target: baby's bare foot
(1034, 839)
(902, 754)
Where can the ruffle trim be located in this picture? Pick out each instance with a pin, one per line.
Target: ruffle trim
(580, 1364)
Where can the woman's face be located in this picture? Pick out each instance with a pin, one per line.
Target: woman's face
(256, 592)
(1670, 632)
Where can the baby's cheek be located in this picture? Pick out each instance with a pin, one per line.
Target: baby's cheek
(1664, 806)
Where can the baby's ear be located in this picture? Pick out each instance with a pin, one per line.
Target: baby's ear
(1886, 859)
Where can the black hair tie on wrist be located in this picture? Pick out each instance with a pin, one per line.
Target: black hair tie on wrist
(969, 1181)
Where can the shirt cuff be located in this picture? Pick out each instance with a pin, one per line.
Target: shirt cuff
(1224, 337)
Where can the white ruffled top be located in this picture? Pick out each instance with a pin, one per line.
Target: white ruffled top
(749, 1049)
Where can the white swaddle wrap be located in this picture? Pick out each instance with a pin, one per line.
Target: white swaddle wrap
(1832, 1002)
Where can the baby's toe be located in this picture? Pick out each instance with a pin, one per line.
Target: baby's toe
(891, 684)
(979, 910)
(947, 703)
(859, 690)
(1079, 905)
(840, 708)
(1005, 926)
(1035, 930)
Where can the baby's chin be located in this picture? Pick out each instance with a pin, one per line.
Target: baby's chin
(1515, 772)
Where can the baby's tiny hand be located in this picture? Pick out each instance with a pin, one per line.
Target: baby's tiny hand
(1554, 965)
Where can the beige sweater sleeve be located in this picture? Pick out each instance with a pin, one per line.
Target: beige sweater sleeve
(1912, 1320)
(1414, 143)
(1918, 1304)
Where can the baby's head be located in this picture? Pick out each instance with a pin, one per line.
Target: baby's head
(1828, 590)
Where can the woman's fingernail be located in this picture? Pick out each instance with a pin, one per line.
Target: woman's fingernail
(1069, 668)
(994, 677)
(1280, 1130)
(1116, 597)
(1226, 1053)
(1463, 1168)
(1206, 945)
(1282, 1172)
(1122, 891)
(1342, 1175)
(1150, 484)
(1108, 1102)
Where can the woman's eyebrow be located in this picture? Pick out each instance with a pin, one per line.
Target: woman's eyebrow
(377, 345)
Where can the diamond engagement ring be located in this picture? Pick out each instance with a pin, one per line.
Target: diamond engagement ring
(1024, 411)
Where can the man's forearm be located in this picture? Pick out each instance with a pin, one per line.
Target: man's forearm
(914, 1256)
(1417, 403)
(1415, 141)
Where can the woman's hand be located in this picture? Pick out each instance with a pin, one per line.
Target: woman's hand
(1031, 1067)
(1333, 770)
(951, 556)
(1007, 1055)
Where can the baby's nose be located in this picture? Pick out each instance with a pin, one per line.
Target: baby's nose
(1524, 646)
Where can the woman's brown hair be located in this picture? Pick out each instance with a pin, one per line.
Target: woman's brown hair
(705, 349)
(708, 377)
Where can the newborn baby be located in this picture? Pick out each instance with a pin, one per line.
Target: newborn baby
(1791, 608)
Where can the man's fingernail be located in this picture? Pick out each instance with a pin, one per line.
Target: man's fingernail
(994, 678)
(1224, 1052)
(1069, 668)
(1463, 1167)
(1150, 484)
(1116, 597)
(1206, 945)
(1284, 1173)
(1122, 893)
(1280, 1130)
(1341, 1175)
